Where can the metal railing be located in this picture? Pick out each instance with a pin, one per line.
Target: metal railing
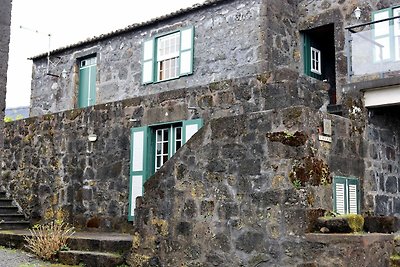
(373, 48)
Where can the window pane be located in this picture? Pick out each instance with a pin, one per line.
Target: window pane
(158, 164)
(165, 147)
(178, 145)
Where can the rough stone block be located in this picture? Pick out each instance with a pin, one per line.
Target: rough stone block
(380, 224)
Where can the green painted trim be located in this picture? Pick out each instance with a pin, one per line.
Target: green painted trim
(145, 171)
(87, 85)
(198, 122)
(149, 60)
(191, 49)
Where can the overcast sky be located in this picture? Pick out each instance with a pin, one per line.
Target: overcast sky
(68, 21)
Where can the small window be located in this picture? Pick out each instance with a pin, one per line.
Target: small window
(346, 195)
(168, 56)
(315, 61)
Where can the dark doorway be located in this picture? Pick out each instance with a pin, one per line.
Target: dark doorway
(319, 56)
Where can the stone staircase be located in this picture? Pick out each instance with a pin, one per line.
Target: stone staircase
(90, 249)
(10, 217)
(96, 249)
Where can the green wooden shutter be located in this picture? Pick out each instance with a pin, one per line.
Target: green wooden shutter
(346, 195)
(189, 128)
(307, 54)
(353, 196)
(339, 195)
(186, 53)
(87, 86)
(138, 165)
(148, 61)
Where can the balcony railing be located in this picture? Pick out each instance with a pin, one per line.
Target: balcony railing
(373, 49)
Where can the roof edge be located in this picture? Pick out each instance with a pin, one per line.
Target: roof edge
(132, 27)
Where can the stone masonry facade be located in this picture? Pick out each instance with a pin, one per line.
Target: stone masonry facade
(52, 169)
(227, 198)
(245, 189)
(5, 22)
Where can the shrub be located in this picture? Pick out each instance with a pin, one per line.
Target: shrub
(46, 240)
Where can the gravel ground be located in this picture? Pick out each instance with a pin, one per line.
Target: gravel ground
(18, 258)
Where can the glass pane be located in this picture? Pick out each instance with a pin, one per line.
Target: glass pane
(165, 134)
(179, 133)
(165, 147)
(158, 164)
(159, 135)
(158, 148)
(165, 158)
(178, 145)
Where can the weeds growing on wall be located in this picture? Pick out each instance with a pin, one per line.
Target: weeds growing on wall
(46, 240)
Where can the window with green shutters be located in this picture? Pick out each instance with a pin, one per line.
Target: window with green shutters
(386, 34)
(87, 82)
(151, 147)
(168, 56)
(346, 195)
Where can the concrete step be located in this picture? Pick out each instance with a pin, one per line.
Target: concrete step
(6, 202)
(12, 217)
(90, 258)
(8, 210)
(11, 225)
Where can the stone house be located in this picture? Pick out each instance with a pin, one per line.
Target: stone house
(282, 106)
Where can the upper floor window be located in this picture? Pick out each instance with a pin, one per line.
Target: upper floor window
(386, 34)
(168, 56)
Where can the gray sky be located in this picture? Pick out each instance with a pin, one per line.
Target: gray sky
(68, 22)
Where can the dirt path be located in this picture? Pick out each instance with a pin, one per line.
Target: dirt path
(18, 258)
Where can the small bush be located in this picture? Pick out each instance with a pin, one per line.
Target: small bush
(46, 240)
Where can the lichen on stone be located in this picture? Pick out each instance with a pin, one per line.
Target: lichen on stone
(287, 138)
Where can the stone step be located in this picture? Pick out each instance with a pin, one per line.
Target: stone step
(6, 202)
(8, 210)
(115, 243)
(90, 258)
(11, 225)
(12, 217)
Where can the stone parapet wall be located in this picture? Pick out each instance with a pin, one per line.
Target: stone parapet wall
(228, 196)
(52, 169)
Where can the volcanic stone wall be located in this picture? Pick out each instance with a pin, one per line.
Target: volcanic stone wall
(229, 196)
(53, 171)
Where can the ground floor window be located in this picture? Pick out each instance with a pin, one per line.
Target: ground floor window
(151, 147)
(346, 196)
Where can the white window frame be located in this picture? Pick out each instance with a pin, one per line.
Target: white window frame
(167, 60)
(315, 61)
